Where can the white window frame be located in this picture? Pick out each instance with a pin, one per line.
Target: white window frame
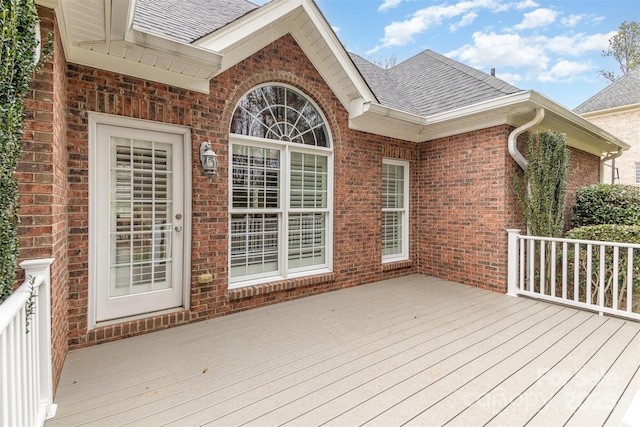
(286, 148)
(404, 210)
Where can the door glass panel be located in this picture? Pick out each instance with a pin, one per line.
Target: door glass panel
(141, 210)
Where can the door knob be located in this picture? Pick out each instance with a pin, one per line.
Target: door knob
(178, 228)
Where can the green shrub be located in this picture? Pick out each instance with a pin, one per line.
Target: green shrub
(606, 204)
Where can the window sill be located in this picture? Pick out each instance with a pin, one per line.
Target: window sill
(281, 285)
(397, 265)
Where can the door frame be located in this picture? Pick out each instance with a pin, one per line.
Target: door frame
(96, 119)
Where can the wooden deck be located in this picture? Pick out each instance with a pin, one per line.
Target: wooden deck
(415, 350)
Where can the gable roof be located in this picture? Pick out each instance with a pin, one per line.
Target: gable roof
(622, 92)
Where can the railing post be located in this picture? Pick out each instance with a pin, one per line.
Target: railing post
(34, 268)
(512, 262)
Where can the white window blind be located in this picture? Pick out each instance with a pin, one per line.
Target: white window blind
(394, 210)
(140, 229)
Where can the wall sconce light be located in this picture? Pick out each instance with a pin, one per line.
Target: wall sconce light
(209, 159)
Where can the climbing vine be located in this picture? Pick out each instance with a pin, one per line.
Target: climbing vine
(19, 59)
(543, 190)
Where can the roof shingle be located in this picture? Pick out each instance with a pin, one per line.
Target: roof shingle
(624, 91)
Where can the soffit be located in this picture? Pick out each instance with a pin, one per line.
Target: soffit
(97, 33)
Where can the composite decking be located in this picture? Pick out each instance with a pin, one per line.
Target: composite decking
(415, 350)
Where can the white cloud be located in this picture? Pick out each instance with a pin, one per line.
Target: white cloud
(527, 4)
(536, 19)
(565, 71)
(572, 20)
(402, 32)
(335, 29)
(512, 78)
(464, 22)
(503, 50)
(578, 44)
(388, 4)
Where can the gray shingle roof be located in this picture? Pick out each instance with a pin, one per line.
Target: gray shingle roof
(624, 91)
(188, 20)
(429, 83)
(425, 84)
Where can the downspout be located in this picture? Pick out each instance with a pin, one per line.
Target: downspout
(608, 157)
(513, 138)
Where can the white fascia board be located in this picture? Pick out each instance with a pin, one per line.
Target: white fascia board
(179, 51)
(136, 69)
(282, 13)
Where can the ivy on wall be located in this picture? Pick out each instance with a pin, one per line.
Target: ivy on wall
(19, 47)
(543, 190)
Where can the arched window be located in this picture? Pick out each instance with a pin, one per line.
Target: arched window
(281, 187)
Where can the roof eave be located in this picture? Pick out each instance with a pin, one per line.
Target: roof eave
(514, 110)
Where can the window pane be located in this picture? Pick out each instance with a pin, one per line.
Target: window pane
(391, 233)
(254, 244)
(256, 177)
(307, 239)
(282, 114)
(392, 186)
(309, 177)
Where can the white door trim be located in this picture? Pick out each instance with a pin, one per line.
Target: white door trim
(96, 119)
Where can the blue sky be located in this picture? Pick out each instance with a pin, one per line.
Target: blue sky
(551, 46)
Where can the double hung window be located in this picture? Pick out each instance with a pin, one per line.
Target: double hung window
(281, 188)
(395, 208)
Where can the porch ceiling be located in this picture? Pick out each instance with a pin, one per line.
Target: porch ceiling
(415, 350)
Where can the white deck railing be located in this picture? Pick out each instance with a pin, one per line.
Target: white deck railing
(592, 275)
(26, 388)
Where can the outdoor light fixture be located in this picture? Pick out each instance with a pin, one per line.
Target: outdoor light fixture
(209, 159)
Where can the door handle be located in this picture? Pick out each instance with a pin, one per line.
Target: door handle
(178, 228)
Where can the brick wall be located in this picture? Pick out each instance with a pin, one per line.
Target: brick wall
(464, 191)
(358, 182)
(625, 124)
(42, 173)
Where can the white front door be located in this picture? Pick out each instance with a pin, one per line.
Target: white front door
(139, 238)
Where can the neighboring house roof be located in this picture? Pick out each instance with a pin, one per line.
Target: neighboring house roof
(429, 83)
(623, 91)
(188, 20)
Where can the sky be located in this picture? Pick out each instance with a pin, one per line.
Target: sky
(551, 46)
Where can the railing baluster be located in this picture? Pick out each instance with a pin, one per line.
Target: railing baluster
(542, 268)
(523, 266)
(601, 281)
(576, 273)
(531, 263)
(589, 273)
(630, 281)
(565, 270)
(614, 277)
(553, 269)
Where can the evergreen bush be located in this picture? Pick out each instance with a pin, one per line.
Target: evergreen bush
(606, 204)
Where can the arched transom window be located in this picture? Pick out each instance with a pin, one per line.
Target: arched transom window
(281, 187)
(280, 113)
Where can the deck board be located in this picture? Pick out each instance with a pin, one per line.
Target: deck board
(414, 350)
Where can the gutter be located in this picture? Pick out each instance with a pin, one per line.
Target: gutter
(513, 138)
